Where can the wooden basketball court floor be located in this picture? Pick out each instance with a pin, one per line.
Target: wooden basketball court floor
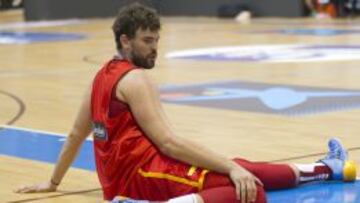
(41, 85)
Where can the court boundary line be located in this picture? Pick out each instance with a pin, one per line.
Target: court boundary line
(98, 189)
(56, 195)
(20, 103)
(39, 131)
(310, 155)
(73, 193)
(40, 24)
(32, 130)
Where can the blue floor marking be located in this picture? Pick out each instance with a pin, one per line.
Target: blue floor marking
(318, 31)
(20, 37)
(42, 146)
(324, 192)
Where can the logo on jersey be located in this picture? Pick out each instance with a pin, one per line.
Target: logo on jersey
(99, 131)
(272, 53)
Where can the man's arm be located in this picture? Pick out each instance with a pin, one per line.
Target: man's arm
(79, 132)
(141, 95)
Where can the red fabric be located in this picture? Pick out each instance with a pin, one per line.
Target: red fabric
(227, 194)
(164, 188)
(273, 176)
(125, 148)
(219, 188)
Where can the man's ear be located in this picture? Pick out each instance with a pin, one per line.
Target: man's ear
(125, 41)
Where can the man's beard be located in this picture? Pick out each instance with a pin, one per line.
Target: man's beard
(144, 62)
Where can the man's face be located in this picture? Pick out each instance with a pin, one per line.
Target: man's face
(143, 48)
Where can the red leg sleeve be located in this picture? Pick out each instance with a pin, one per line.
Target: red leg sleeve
(273, 176)
(227, 194)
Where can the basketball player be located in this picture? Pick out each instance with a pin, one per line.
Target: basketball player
(137, 152)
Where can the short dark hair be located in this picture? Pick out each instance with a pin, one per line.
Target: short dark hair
(132, 17)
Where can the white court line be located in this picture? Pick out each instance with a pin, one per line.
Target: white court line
(40, 24)
(40, 131)
(56, 72)
(32, 130)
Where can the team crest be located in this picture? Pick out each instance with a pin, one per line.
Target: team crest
(100, 132)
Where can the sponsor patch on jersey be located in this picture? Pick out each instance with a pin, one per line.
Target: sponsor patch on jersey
(99, 131)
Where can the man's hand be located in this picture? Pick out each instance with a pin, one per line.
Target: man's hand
(245, 184)
(37, 188)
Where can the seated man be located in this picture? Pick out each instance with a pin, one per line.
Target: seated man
(138, 155)
(336, 158)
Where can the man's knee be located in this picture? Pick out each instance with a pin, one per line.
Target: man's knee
(228, 194)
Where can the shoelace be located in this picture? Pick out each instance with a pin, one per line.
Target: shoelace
(336, 152)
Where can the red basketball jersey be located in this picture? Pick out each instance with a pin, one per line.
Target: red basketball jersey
(121, 148)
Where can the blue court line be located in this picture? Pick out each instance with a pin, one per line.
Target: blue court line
(318, 31)
(45, 147)
(20, 37)
(321, 192)
(42, 146)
